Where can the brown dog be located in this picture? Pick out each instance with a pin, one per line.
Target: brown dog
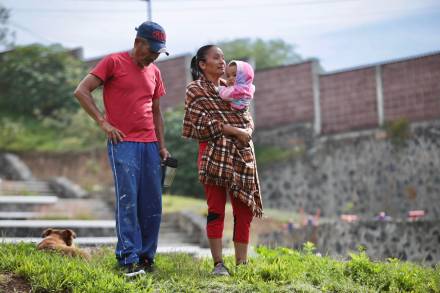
(62, 241)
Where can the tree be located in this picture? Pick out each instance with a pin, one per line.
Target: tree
(37, 80)
(266, 54)
(185, 151)
(6, 36)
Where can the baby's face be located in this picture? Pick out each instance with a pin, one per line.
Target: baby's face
(231, 73)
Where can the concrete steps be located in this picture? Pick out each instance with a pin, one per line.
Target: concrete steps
(34, 228)
(24, 187)
(99, 230)
(25, 203)
(19, 215)
(27, 208)
(49, 206)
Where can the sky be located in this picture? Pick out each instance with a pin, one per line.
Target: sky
(340, 33)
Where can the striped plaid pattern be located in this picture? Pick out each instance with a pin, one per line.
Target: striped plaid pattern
(223, 163)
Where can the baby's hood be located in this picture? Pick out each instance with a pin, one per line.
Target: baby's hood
(245, 73)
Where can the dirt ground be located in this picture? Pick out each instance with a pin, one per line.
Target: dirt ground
(12, 283)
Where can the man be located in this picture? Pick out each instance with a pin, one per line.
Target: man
(134, 126)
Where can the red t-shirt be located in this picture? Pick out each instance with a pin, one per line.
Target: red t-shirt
(129, 92)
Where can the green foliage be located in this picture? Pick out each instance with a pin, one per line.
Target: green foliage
(392, 277)
(62, 131)
(37, 81)
(309, 248)
(398, 131)
(76, 133)
(186, 180)
(266, 54)
(6, 36)
(272, 270)
(348, 207)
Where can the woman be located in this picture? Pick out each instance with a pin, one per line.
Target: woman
(226, 158)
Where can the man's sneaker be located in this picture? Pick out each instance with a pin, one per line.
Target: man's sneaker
(220, 270)
(133, 270)
(146, 265)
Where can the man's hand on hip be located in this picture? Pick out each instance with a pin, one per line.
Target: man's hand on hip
(114, 134)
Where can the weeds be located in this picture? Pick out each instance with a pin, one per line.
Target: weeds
(398, 131)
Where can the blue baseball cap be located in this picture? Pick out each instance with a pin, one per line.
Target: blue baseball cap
(154, 34)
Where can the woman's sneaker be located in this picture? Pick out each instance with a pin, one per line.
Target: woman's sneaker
(220, 270)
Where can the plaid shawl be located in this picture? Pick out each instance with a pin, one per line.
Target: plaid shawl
(223, 163)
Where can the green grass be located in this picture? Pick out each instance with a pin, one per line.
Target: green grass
(279, 270)
(177, 203)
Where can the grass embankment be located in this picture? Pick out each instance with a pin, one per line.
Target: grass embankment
(279, 270)
(75, 132)
(176, 203)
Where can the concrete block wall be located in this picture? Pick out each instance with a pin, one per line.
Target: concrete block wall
(175, 74)
(348, 100)
(412, 88)
(284, 95)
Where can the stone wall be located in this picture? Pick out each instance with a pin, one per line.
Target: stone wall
(298, 134)
(360, 173)
(417, 241)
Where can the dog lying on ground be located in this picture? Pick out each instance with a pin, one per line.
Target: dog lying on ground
(62, 241)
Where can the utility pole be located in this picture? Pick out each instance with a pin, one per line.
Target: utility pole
(150, 18)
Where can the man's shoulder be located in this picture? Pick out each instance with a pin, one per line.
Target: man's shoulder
(119, 55)
(154, 68)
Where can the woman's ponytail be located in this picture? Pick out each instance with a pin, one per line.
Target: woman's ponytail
(196, 71)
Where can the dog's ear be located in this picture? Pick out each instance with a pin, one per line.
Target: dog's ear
(68, 236)
(73, 233)
(46, 232)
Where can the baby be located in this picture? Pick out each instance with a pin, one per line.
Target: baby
(240, 89)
